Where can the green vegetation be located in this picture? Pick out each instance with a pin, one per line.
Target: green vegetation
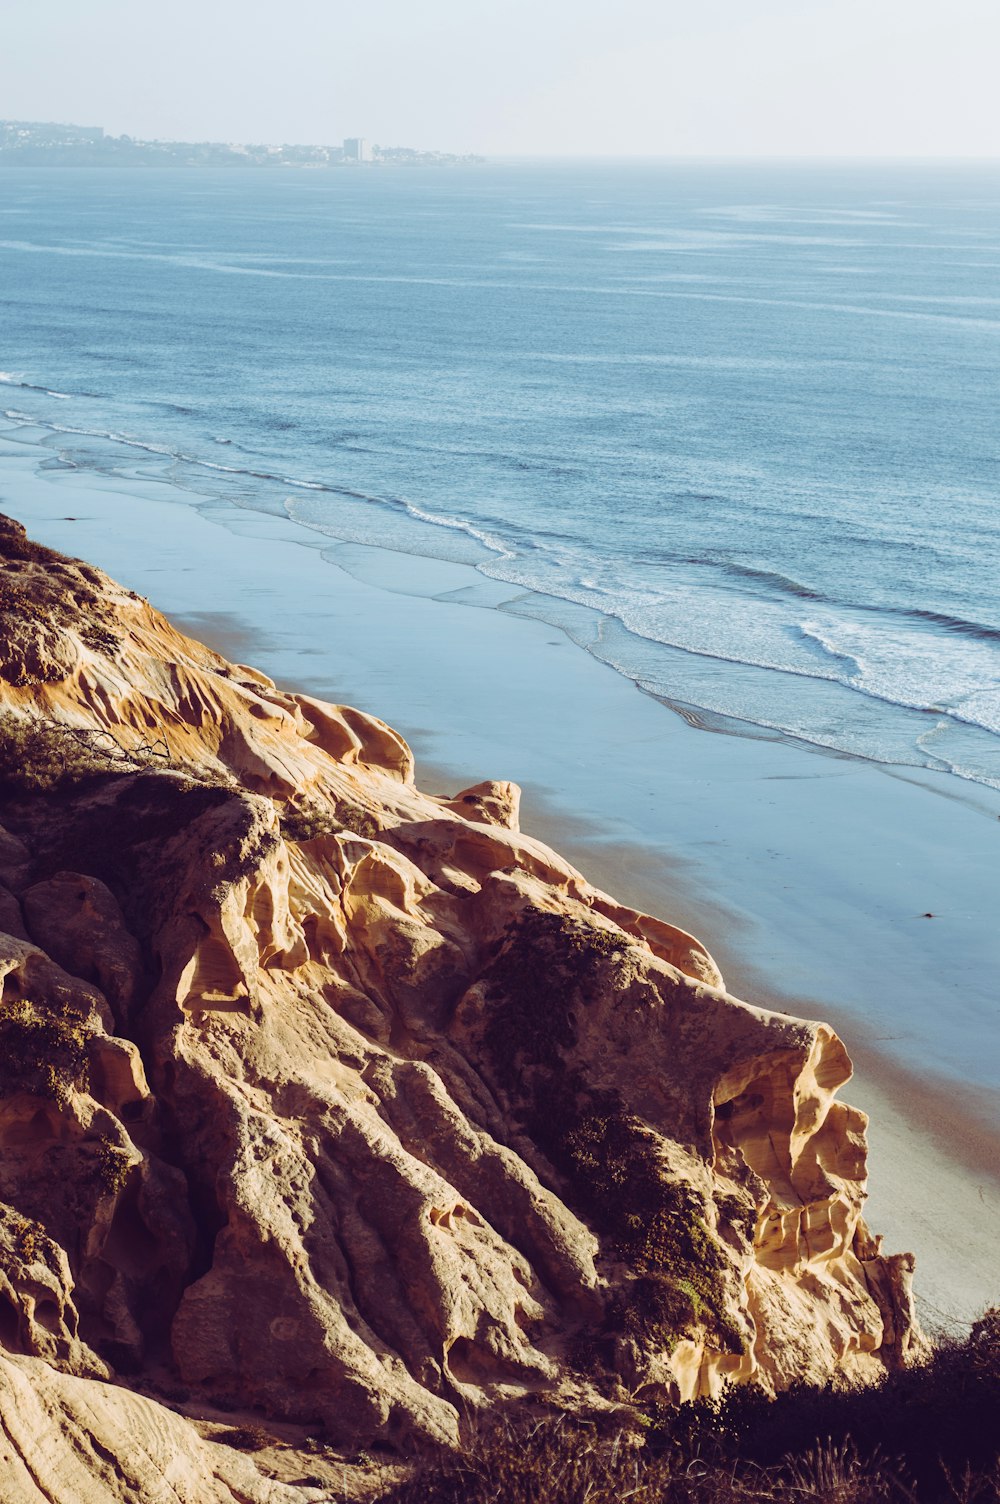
(940, 1419)
(549, 966)
(247, 1438)
(655, 1223)
(44, 1056)
(44, 756)
(305, 822)
(611, 1161)
(927, 1435)
(16, 546)
(41, 757)
(23, 1237)
(113, 1166)
(119, 830)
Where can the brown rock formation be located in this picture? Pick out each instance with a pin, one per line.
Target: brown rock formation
(353, 1107)
(68, 1441)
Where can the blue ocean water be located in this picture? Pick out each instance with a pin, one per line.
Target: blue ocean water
(732, 427)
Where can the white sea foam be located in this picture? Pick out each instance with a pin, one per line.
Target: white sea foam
(649, 448)
(9, 379)
(911, 665)
(335, 525)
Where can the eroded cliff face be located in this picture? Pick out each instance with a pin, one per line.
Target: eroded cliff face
(328, 1100)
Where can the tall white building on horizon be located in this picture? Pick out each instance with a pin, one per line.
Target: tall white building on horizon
(357, 149)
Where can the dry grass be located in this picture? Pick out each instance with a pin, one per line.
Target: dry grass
(556, 1461)
(928, 1435)
(42, 756)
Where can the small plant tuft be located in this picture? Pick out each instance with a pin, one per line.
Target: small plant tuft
(247, 1438)
(114, 1166)
(44, 1056)
(307, 822)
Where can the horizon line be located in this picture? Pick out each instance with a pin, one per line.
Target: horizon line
(550, 156)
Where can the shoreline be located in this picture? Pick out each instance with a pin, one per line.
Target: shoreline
(654, 884)
(739, 865)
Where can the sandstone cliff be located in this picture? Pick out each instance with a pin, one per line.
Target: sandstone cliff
(334, 1104)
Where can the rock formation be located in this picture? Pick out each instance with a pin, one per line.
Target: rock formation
(340, 1106)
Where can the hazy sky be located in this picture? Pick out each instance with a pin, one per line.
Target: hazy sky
(720, 77)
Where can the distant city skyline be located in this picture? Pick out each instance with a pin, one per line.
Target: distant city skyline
(69, 143)
(525, 77)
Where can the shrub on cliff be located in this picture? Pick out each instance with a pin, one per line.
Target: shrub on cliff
(926, 1435)
(307, 821)
(611, 1163)
(43, 756)
(39, 756)
(44, 1056)
(942, 1417)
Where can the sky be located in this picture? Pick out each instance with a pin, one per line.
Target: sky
(519, 77)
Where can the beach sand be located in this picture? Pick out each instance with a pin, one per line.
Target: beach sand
(807, 875)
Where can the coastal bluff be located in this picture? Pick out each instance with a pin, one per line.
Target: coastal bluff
(346, 1110)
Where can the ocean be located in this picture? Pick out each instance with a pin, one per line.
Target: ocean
(731, 427)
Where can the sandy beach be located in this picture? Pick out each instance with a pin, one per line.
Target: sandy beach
(825, 886)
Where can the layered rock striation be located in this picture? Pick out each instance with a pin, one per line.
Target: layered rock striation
(352, 1107)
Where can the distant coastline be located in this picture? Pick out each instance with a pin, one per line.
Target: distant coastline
(40, 143)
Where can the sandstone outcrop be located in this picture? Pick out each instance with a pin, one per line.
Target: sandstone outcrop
(345, 1107)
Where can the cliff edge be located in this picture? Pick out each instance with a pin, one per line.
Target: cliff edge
(330, 1104)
